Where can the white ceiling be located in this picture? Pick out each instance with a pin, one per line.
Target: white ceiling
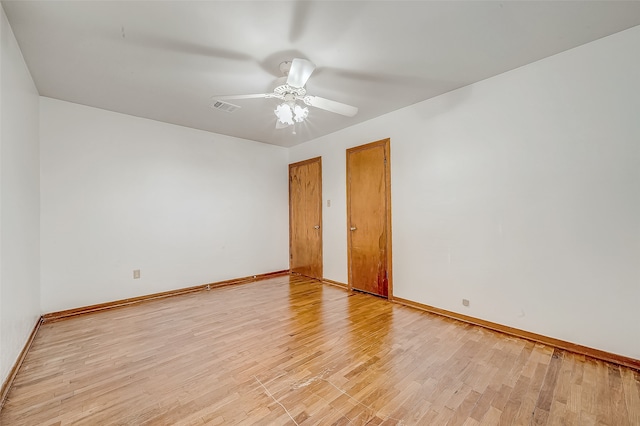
(165, 60)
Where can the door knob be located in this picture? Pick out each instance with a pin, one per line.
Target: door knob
(353, 228)
(316, 227)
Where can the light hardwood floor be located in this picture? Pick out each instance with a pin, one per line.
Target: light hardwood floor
(289, 350)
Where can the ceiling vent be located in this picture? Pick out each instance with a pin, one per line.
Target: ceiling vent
(224, 106)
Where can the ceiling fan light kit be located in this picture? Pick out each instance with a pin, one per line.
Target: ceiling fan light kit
(288, 112)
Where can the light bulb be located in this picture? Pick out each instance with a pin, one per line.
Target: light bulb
(284, 113)
(300, 113)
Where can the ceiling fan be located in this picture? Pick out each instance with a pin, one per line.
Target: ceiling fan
(289, 112)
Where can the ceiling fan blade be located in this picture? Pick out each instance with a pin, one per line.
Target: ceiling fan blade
(332, 106)
(257, 95)
(300, 72)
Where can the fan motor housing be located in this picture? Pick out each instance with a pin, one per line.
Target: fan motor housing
(285, 90)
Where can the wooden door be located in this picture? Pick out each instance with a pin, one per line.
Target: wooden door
(305, 218)
(369, 218)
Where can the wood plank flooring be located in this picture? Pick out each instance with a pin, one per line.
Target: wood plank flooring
(289, 350)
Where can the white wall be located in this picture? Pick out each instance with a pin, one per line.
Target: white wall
(520, 193)
(184, 206)
(19, 201)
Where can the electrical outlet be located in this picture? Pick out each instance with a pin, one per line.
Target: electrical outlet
(465, 302)
(136, 274)
(328, 203)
